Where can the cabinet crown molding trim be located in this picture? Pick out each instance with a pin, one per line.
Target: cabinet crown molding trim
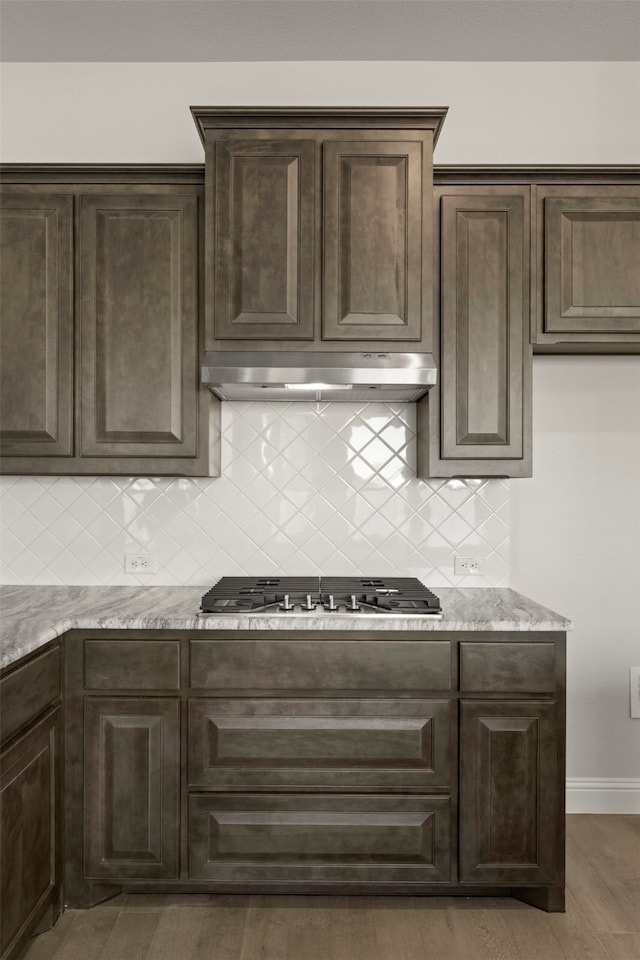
(425, 118)
(446, 174)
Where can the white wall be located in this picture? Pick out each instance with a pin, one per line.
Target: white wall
(575, 526)
(575, 536)
(498, 112)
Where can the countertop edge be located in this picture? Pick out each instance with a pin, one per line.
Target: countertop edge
(11, 653)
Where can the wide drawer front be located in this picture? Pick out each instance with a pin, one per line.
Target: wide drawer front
(132, 664)
(258, 838)
(507, 667)
(304, 744)
(324, 667)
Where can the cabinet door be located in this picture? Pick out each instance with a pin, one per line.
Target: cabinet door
(264, 240)
(589, 238)
(479, 420)
(510, 792)
(132, 774)
(377, 203)
(36, 310)
(29, 785)
(139, 325)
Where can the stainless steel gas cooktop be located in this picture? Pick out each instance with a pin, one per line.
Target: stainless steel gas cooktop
(391, 596)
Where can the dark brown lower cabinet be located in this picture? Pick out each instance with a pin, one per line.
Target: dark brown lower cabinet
(132, 777)
(508, 791)
(216, 761)
(30, 816)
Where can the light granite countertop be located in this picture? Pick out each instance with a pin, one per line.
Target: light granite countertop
(32, 616)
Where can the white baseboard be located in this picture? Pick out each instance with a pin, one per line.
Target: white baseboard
(603, 795)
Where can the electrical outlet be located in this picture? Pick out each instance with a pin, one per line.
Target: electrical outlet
(467, 566)
(634, 692)
(139, 563)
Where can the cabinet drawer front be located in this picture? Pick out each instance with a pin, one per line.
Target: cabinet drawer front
(254, 838)
(132, 664)
(306, 744)
(26, 692)
(507, 667)
(327, 667)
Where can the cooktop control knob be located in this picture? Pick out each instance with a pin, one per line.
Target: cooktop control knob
(332, 603)
(309, 605)
(286, 603)
(355, 606)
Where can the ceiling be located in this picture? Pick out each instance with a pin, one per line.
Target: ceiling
(265, 30)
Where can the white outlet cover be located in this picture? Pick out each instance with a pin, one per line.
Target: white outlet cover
(139, 563)
(467, 566)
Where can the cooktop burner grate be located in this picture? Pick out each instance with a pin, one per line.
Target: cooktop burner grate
(319, 595)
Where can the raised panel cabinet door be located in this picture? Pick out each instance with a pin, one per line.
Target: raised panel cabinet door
(36, 324)
(592, 265)
(132, 776)
(29, 787)
(295, 838)
(264, 239)
(377, 203)
(485, 354)
(139, 325)
(510, 792)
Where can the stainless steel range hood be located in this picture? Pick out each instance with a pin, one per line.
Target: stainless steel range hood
(264, 375)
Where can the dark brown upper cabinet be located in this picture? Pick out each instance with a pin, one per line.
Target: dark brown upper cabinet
(477, 421)
(588, 269)
(36, 329)
(100, 370)
(318, 227)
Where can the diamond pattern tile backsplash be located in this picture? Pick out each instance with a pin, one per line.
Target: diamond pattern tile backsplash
(306, 488)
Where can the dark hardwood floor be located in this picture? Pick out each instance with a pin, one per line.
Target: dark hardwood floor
(602, 921)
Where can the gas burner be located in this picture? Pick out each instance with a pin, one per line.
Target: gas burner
(390, 596)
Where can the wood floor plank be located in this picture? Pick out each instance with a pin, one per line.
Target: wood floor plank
(435, 921)
(352, 932)
(575, 934)
(609, 912)
(130, 936)
(531, 934)
(397, 930)
(177, 933)
(45, 946)
(622, 946)
(222, 928)
(265, 931)
(90, 927)
(309, 927)
(483, 934)
(616, 839)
